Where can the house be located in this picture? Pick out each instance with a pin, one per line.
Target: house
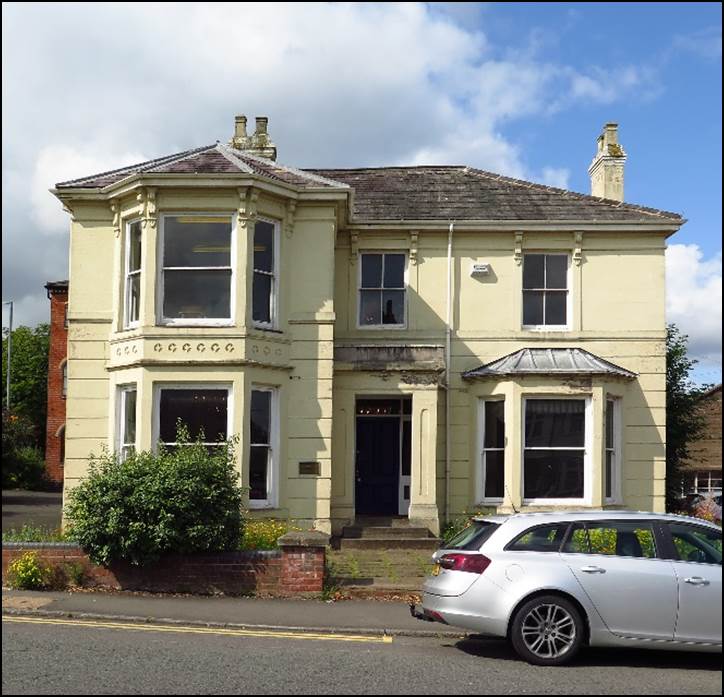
(702, 470)
(57, 380)
(396, 341)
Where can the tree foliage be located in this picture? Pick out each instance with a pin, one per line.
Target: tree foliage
(181, 500)
(684, 421)
(28, 376)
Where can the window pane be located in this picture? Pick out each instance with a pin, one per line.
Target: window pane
(532, 308)
(134, 297)
(134, 250)
(393, 307)
(473, 536)
(556, 271)
(261, 298)
(555, 308)
(696, 544)
(258, 468)
(555, 423)
(494, 473)
(609, 423)
(545, 538)
(197, 294)
(533, 271)
(129, 418)
(609, 471)
(264, 246)
(553, 474)
(577, 542)
(494, 425)
(196, 241)
(622, 539)
(261, 417)
(200, 410)
(369, 307)
(394, 271)
(371, 270)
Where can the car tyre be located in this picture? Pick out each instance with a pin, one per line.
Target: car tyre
(547, 631)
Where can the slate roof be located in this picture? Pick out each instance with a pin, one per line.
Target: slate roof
(208, 159)
(549, 361)
(464, 193)
(401, 193)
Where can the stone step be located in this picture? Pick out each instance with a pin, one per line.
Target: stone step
(402, 543)
(382, 533)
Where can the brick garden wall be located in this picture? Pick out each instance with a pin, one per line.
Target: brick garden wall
(57, 354)
(288, 571)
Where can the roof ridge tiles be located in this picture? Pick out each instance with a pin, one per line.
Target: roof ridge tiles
(293, 170)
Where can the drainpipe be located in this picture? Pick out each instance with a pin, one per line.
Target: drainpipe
(448, 335)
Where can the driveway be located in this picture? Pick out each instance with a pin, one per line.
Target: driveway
(37, 508)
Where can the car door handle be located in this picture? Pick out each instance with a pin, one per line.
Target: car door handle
(593, 570)
(696, 581)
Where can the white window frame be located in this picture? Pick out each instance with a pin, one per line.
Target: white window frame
(616, 450)
(587, 453)
(274, 298)
(568, 291)
(130, 324)
(159, 386)
(482, 499)
(122, 445)
(160, 286)
(405, 280)
(272, 473)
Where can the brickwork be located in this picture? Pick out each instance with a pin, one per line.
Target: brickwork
(57, 354)
(289, 571)
(705, 452)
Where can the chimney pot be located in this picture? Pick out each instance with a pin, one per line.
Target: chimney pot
(262, 123)
(259, 144)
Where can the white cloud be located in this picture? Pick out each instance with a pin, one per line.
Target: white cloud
(55, 163)
(705, 42)
(694, 299)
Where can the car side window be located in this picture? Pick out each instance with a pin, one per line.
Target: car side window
(622, 538)
(696, 543)
(544, 538)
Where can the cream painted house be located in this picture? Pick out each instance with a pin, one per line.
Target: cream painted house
(402, 341)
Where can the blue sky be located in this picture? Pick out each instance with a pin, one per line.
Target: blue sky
(518, 88)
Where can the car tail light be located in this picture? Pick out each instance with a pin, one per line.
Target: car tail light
(472, 563)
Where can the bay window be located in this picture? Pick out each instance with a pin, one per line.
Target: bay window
(554, 461)
(196, 269)
(132, 294)
(263, 454)
(266, 270)
(126, 420)
(493, 449)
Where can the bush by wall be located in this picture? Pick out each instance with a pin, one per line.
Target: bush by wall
(178, 501)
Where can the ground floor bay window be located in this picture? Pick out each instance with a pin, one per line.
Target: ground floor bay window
(555, 452)
(263, 447)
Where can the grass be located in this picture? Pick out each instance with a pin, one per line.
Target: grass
(35, 533)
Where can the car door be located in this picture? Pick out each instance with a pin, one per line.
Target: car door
(698, 571)
(617, 564)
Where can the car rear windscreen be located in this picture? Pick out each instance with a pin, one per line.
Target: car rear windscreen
(472, 537)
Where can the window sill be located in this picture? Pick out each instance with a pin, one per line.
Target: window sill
(546, 328)
(197, 323)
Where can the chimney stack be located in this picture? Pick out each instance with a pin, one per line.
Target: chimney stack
(259, 144)
(606, 170)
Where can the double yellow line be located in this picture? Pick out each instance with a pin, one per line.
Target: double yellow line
(259, 633)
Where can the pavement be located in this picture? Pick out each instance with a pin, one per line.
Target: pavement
(390, 617)
(37, 508)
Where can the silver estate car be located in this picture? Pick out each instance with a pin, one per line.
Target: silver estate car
(554, 582)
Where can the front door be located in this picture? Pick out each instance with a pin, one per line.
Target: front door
(377, 466)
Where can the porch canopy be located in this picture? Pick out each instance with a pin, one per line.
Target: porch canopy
(549, 361)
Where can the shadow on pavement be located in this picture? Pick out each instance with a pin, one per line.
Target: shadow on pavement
(486, 647)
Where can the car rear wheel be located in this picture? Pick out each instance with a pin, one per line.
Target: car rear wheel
(547, 631)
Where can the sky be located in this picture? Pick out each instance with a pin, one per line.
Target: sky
(517, 88)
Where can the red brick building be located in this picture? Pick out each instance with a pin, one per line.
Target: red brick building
(57, 380)
(703, 468)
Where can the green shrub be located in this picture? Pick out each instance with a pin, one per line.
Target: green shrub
(29, 572)
(180, 500)
(263, 533)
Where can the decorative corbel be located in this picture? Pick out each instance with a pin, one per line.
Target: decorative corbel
(353, 246)
(116, 210)
(289, 222)
(147, 201)
(67, 209)
(253, 202)
(414, 234)
(518, 252)
(578, 248)
(242, 215)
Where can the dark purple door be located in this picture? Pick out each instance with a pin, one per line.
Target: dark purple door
(377, 465)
